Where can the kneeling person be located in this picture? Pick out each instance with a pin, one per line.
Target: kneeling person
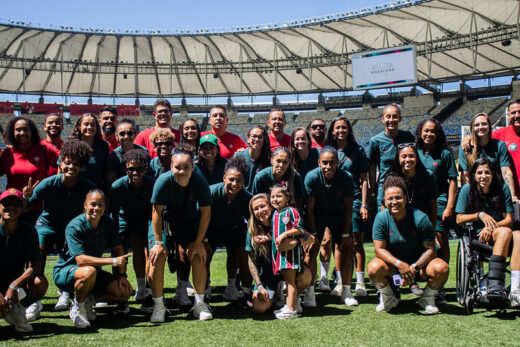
(79, 266)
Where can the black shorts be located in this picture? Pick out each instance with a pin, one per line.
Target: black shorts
(231, 238)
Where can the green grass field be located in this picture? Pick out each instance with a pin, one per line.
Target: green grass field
(331, 323)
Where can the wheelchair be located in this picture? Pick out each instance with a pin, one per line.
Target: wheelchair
(470, 276)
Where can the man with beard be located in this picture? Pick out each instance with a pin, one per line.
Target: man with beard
(228, 143)
(162, 112)
(318, 129)
(108, 124)
(276, 124)
(53, 127)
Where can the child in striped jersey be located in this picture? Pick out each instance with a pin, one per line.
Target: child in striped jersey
(286, 224)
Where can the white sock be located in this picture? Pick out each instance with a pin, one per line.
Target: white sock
(199, 298)
(515, 280)
(141, 283)
(386, 290)
(429, 292)
(246, 290)
(158, 301)
(231, 281)
(360, 277)
(338, 276)
(310, 290)
(324, 269)
(346, 287)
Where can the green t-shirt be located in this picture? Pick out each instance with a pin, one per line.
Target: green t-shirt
(441, 164)
(264, 180)
(354, 160)
(82, 239)
(216, 175)
(404, 240)
(309, 164)
(228, 214)
(132, 205)
(16, 250)
(421, 189)
(496, 208)
(329, 194)
(254, 168)
(156, 168)
(495, 151)
(60, 205)
(182, 203)
(97, 165)
(115, 161)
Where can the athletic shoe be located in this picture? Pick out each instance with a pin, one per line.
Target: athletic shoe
(298, 307)
(348, 299)
(159, 311)
(309, 298)
(140, 295)
(181, 296)
(231, 293)
(416, 290)
(386, 303)
(90, 302)
(190, 290)
(428, 303)
(338, 289)
(63, 302)
(514, 299)
(285, 313)
(440, 297)
(361, 289)
(16, 317)
(79, 316)
(147, 305)
(32, 312)
(279, 299)
(101, 304)
(323, 285)
(122, 309)
(202, 311)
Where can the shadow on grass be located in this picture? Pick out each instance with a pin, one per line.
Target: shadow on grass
(43, 330)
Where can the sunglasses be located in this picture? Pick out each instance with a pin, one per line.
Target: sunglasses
(405, 145)
(167, 143)
(129, 133)
(138, 169)
(317, 126)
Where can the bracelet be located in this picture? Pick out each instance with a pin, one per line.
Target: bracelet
(364, 205)
(480, 215)
(13, 287)
(114, 262)
(157, 242)
(396, 264)
(345, 235)
(260, 285)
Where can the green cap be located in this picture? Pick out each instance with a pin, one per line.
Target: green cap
(209, 138)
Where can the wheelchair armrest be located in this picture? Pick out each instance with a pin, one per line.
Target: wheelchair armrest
(482, 247)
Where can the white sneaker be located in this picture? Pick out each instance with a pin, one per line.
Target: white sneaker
(514, 299)
(386, 303)
(202, 311)
(428, 303)
(361, 289)
(309, 298)
(17, 318)
(190, 290)
(338, 289)
(90, 302)
(298, 307)
(63, 302)
(231, 293)
(78, 315)
(285, 313)
(158, 313)
(181, 296)
(323, 285)
(348, 299)
(32, 312)
(101, 304)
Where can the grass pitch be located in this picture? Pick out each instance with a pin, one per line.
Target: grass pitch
(331, 323)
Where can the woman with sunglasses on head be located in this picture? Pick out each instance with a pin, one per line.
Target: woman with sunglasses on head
(210, 163)
(190, 133)
(304, 157)
(162, 140)
(131, 210)
(125, 134)
(487, 202)
(257, 155)
(352, 158)
(482, 145)
(318, 130)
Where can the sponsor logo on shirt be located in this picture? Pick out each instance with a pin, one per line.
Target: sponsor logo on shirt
(512, 147)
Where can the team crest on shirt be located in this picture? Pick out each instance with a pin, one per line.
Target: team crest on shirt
(391, 232)
(435, 164)
(512, 147)
(285, 220)
(12, 191)
(231, 146)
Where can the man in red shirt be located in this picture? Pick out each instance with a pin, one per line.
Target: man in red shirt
(53, 127)
(228, 143)
(511, 136)
(162, 112)
(276, 124)
(318, 128)
(108, 125)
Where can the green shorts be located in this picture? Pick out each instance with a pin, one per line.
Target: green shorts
(65, 281)
(358, 224)
(231, 238)
(49, 238)
(181, 234)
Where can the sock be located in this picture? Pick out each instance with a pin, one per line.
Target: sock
(80, 304)
(360, 277)
(429, 292)
(198, 298)
(158, 301)
(515, 280)
(338, 276)
(246, 290)
(310, 290)
(324, 269)
(141, 283)
(231, 281)
(386, 290)
(184, 284)
(346, 287)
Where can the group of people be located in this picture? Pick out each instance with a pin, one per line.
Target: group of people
(276, 202)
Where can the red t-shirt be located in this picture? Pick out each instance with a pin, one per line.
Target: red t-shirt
(143, 139)
(285, 142)
(512, 141)
(315, 144)
(112, 144)
(53, 153)
(228, 143)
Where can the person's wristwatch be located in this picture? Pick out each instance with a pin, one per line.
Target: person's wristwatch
(414, 267)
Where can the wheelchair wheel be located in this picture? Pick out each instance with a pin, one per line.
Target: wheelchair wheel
(462, 279)
(469, 303)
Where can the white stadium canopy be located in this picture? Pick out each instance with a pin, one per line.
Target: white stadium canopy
(454, 40)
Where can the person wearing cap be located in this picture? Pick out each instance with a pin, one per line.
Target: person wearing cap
(229, 143)
(79, 268)
(210, 163)
(21, 282)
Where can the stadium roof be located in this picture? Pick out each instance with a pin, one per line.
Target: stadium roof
(456, 39)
